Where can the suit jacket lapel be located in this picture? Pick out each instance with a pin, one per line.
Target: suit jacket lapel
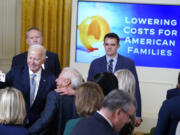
(119, 63)
(26, 83)
(104, 64)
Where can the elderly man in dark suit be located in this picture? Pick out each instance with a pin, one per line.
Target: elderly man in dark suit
(112, 62)
(117, 109)
(174, 92)
(58, 109)
(32, 81)
(34, 36)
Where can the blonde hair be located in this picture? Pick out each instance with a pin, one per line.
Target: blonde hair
(126, 81)
(89, 98)
(12, 106)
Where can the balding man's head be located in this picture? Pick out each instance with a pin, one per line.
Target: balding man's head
(36, 57)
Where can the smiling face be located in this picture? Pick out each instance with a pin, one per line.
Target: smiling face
(35, 59)
(111, 46)
(63, 81)
(34, 37)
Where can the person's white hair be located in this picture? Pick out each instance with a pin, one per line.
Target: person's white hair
(74, 75)
(37, 46)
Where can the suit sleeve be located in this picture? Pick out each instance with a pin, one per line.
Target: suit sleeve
(137, 92)
(47, 116)
(91, 72)
(162, 124)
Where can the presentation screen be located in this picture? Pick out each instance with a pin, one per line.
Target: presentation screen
(149, 33)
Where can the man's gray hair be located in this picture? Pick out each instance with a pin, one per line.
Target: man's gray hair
(119, 99)
(74, 75)
(37, 46)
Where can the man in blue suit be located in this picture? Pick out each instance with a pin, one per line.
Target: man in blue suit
(112, 62)
(34, 36)
(21, 76)
(117, 110)
(174, 92)
(169, 116)
(58, 109)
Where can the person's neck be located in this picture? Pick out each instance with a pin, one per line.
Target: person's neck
(112, 57)
(107, 113)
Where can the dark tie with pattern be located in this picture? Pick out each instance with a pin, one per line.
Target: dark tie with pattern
(32, 88)
(110, 67)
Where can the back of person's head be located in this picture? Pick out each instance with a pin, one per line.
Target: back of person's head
(36, 46)
(118, 99)
(12, 106)
(126, 81)
(112, 35)
(89, 98)
(107, 81)
(74, 75)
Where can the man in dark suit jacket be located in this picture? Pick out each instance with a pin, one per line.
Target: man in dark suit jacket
(58, 109)
(102, 64)
(174, 92)
(169, 116)
(117, 109)
(34, 36)
(19, 77)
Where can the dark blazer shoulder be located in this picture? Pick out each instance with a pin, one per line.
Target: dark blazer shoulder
(172, 93)
(19, 59)
(125, 59)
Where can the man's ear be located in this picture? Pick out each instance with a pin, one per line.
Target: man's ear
(117, 112)
(118, 45)
(67, 82)
(178, 86)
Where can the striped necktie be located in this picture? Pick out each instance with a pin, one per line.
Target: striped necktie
(32, 88)
(110, 66)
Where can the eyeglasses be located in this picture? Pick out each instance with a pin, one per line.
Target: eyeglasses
(131, 117)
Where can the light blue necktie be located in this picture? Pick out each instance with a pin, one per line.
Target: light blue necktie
(32, 88)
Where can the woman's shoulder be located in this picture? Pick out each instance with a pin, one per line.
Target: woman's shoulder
(13, 129)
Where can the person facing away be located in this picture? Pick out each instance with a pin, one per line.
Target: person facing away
(32, 81)
(117, 109)
(89, 98)
(112, 62)
(34, 36)
(12, 112)
(175, 91)
(126, 81)
(107, 81)
(58, 109)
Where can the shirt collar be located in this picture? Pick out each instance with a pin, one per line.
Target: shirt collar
(37, 73)
(105, 118)
(108, 58)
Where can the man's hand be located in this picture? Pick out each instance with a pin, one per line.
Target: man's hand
(138, 122)
(65, 91)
